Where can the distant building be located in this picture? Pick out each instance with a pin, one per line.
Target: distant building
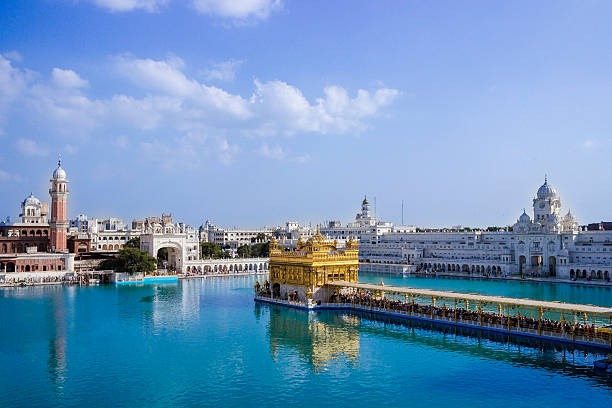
(80, 224)
(550, 244)
(35, 244)
(364, 223)
(111, 234)
(232, 238)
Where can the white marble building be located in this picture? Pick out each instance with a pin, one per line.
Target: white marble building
(364, 224)
(110, 234)
(228, 238)
(550, 244)
(183, 245)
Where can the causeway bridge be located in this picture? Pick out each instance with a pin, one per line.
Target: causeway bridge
(585, 325)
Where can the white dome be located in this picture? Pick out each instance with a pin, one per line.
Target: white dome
(31, 200)
(59, 173)
(546, 190)
(524, 218)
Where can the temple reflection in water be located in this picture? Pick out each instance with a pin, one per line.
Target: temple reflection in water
(318, 338)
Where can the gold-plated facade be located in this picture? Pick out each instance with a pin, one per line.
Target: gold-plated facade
(299, 273)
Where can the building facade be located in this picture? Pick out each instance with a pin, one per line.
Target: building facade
(111, 234)
(364, 224)
(232, 238)
(36, 244)
(549, 244)
(301, 274)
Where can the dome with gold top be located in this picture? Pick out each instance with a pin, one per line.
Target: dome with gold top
(273, 243)
(300, 243)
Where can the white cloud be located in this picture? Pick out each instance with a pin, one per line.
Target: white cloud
(6, 177)
(238, 9)
(30, 147)
(199, 117)
(130, 5)
(588, 144)
(305, 158)
(165, 77)
(70, 149)
(275, 152)
(120, 142)
(286, 110)
(67, 78)
(14, 56)
(222, 71)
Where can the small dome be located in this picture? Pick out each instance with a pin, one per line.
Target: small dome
(569, 216)
(59, 174)
(365, 201)
(524, 218)
(31, 200)
(546, 190)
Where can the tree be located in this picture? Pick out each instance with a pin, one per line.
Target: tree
(261, 237)
(162, 255)
(211, 250)
(133, 243)
(244, 251)
(261, 250)
(130, 260)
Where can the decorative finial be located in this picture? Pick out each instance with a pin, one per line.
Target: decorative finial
(59, 160)
(545, 178)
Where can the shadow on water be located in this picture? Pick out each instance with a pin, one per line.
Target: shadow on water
(322, 336)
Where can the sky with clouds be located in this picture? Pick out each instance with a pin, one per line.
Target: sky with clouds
(254, 112)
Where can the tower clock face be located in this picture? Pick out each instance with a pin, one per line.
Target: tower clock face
(542, 205)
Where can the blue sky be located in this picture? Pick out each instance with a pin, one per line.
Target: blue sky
(254, 112)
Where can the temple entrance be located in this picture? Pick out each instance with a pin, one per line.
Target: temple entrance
(168, 258)
(522, 261)
(536, 260)
(10, 267)
(276, 290)
(552, 266)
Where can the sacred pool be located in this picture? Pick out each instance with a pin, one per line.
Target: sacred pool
(205, 342)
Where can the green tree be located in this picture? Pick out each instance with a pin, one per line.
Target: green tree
(211, 250)
(261, 250)
(259, 238)
(130, 260)
(162, 255)
(244, 251)
(133, 243)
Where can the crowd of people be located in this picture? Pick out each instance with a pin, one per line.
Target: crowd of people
(37, 280)
(473, 317)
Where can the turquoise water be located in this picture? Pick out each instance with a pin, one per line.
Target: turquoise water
(594, 295)
(204, 342)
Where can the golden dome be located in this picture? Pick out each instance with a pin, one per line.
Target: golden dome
(273, 243)
(300, 243)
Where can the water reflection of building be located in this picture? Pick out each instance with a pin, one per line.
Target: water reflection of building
(56, 364)
(318, 338)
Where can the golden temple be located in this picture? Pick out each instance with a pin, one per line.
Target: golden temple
(302, 273)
